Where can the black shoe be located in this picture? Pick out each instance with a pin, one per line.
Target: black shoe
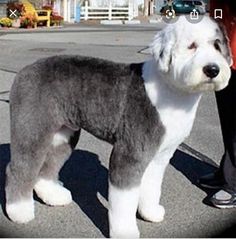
(224, 199)
(213, 180)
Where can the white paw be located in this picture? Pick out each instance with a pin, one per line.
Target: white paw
(152, 214)
(123, 231)
(21, 212)
(52, 193)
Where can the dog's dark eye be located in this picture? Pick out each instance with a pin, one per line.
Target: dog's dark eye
(192, 46)
(217, 45)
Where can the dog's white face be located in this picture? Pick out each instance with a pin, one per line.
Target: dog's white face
(195, 57)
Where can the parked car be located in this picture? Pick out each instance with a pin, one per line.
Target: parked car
(199, 5)
(185, 7)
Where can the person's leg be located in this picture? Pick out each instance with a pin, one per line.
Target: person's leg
(226, 100)
(226, 103)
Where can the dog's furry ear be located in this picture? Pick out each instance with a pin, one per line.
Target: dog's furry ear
(226, 52)
(161, 48)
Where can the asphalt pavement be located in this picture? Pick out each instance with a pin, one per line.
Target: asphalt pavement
(86, 172)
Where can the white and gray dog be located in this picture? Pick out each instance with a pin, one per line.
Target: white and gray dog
(145, 110)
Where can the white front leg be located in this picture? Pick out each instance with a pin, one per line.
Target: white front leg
(150, 192)
(123, 205)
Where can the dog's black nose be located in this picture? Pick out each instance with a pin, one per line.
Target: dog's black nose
(211, 70)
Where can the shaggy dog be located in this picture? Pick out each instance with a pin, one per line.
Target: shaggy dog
(145, 110)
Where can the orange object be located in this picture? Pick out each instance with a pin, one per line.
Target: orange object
(232, 37)
(229, 20)
(41, 14)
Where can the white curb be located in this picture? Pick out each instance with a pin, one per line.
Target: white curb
(111, 22)
(132, 22)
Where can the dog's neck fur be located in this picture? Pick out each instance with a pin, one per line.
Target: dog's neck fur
(162, 94)
(177, 109)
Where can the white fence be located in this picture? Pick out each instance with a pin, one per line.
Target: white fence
(106, 13)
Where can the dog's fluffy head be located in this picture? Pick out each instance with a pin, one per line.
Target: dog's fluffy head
(196, 57)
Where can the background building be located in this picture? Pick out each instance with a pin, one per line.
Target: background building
(3, 7)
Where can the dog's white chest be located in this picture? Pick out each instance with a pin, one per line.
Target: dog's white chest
(176, 109)
(177, 124)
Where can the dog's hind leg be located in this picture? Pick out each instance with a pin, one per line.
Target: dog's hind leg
(150, 193)
(27, 157)
(48, 187)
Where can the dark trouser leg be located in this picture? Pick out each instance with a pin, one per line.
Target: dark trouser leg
(226, 102)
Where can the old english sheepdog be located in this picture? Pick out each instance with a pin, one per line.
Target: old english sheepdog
(145, 110)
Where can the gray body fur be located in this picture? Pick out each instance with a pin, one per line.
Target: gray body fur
(106, 99)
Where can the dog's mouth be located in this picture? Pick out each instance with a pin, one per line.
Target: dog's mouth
(207, 85)
(210, 81)
(213, 84)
